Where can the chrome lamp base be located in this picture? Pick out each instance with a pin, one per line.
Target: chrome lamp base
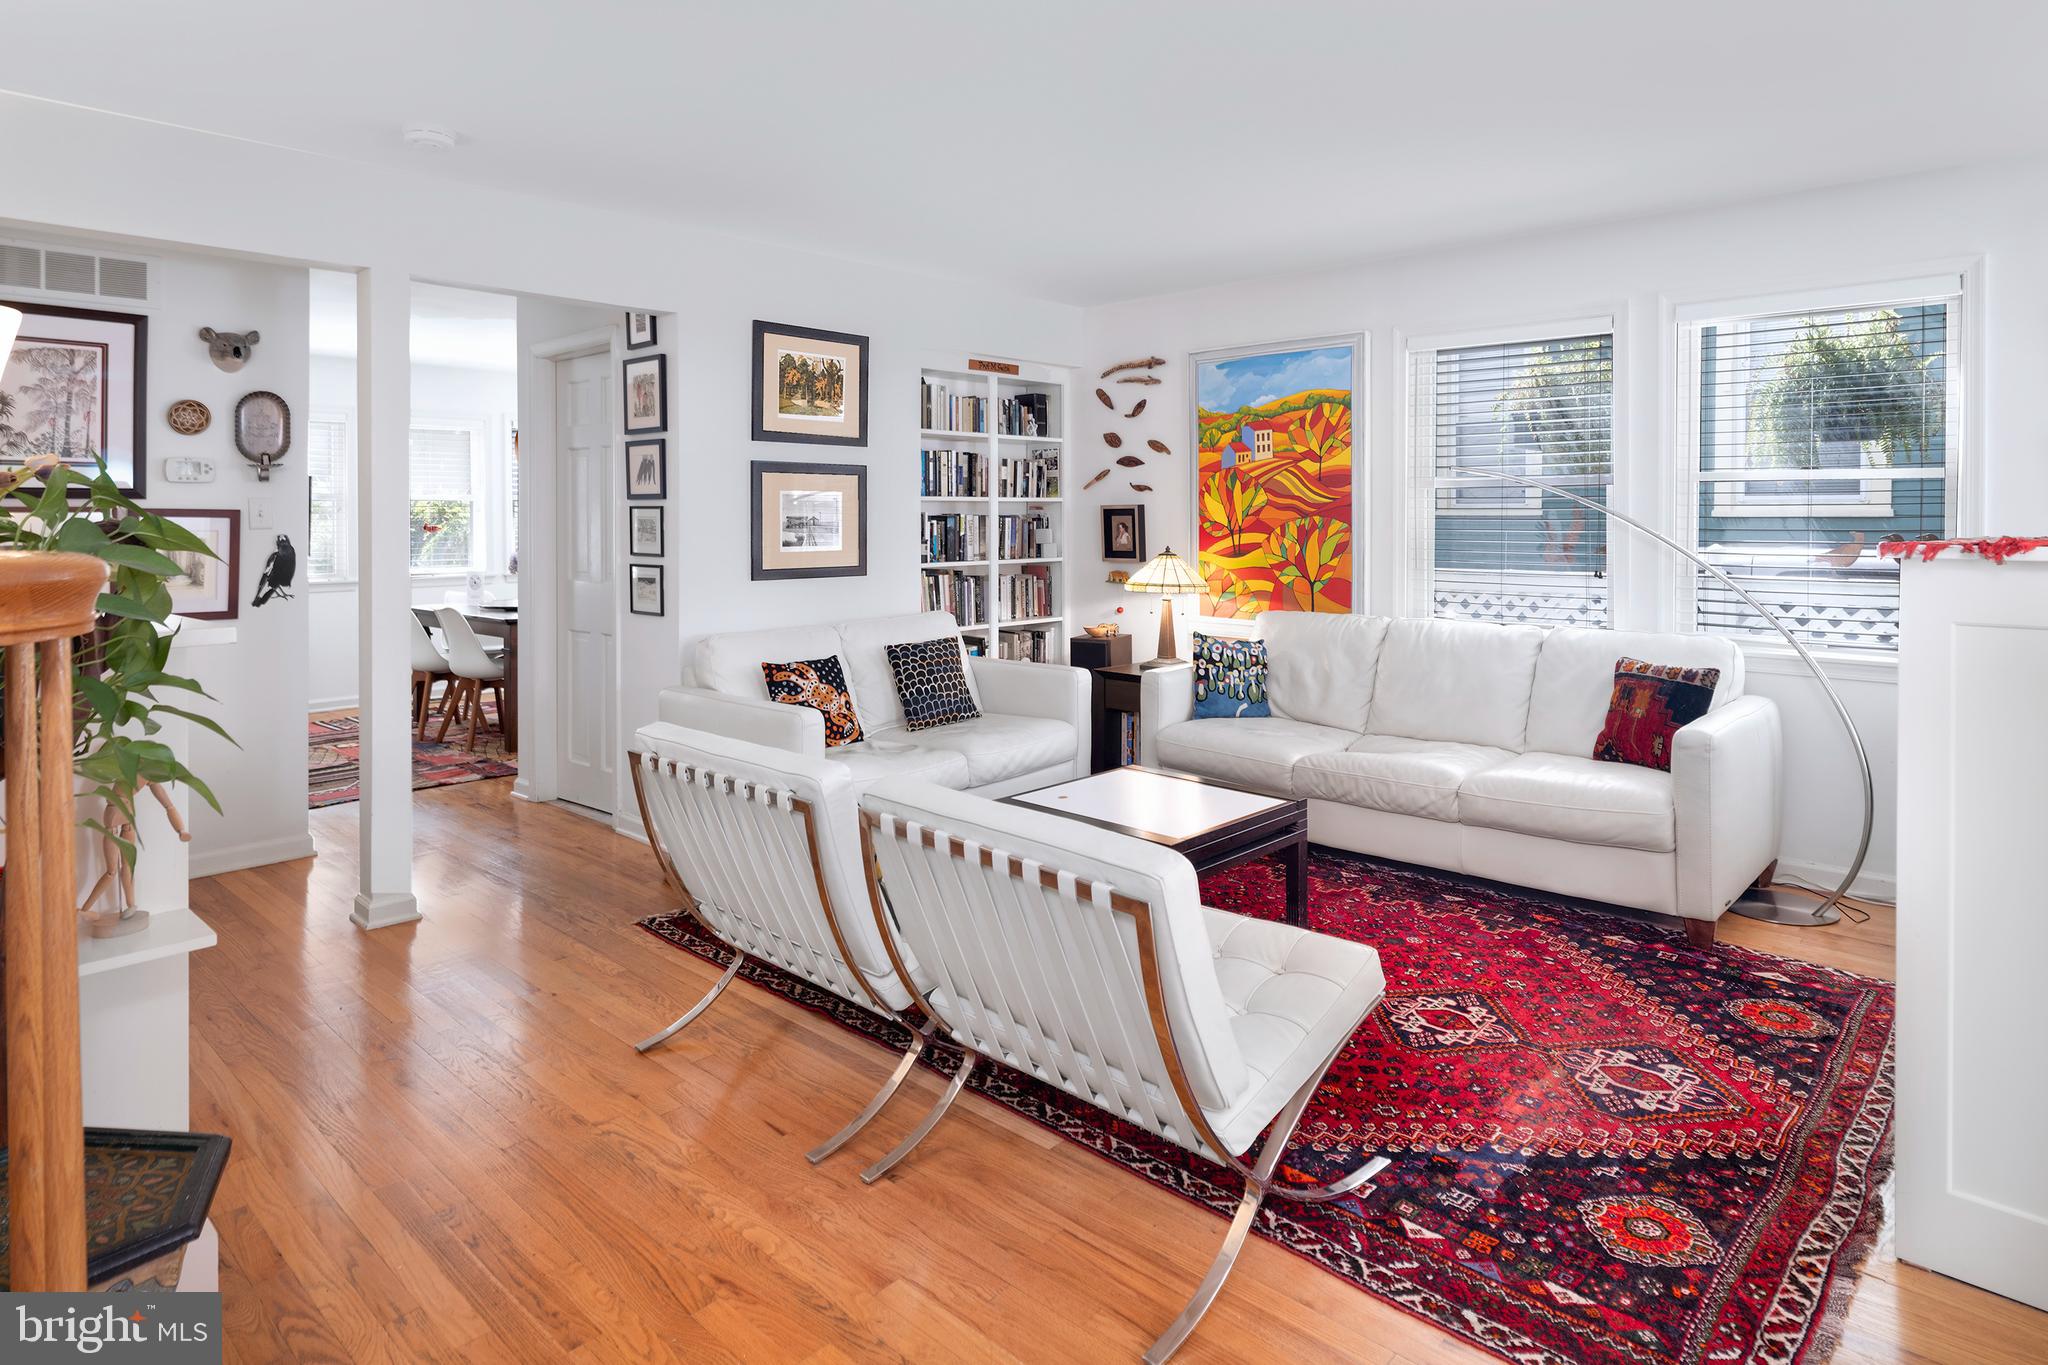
(1782, 905)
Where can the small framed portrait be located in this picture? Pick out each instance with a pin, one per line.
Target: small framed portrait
(646, 394)
(72, 392)
(204, 589)
(810, 386)
(646, 470)
(646, 590)
(810, 520)
(647, 531)
(639, 331)
(1123, 534)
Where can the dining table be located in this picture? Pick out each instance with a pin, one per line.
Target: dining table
(499, 622)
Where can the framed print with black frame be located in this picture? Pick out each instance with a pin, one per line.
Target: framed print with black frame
(646, 383)
(810, 385)
(810, 520)
(207, 589)
(647, 532)
(73, 392)
(646, 470)
(1123, 534)
(647, 589)
(640, 331)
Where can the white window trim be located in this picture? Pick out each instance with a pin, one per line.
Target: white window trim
(344, 575)
(1417, 571)
(488, 515)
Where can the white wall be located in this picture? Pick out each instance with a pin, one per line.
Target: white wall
(1634, 271)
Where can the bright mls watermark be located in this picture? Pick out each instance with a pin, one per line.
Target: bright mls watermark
(167, 1329)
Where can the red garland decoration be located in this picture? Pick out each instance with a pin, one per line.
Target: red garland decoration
(1996, 549)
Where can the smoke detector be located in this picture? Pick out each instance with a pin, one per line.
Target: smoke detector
(425, 137)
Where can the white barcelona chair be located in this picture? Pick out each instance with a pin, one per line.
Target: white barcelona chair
(1085, 958)
(761, 846)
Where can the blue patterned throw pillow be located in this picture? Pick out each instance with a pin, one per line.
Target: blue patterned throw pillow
(1230, 678)
(931, 683)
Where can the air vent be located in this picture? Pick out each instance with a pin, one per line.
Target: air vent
(74, 274)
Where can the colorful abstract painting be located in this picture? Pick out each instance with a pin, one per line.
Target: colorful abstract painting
(1273, 479)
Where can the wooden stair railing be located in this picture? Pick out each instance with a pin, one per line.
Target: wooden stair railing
(46, 598)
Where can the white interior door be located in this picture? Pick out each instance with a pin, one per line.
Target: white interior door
(587, 717)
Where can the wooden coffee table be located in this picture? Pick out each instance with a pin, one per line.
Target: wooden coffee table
(1212, 824)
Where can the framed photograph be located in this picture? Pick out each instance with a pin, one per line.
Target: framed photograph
(646, 470)
(646, 394)
(639, 331)
(809, 385)
(646, 590)
(1123, 534)
(73, 393)
(204, 589)
(647, 531)
(810, 520)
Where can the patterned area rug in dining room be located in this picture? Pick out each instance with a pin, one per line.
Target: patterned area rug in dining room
(334, 755)
(1607, 1146)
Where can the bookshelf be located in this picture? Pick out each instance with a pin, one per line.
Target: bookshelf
(993, 478)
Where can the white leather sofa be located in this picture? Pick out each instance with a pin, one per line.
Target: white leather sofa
(1033, 728)
(1468, 746)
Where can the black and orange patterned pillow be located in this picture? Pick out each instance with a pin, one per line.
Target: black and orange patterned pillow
(821, 685)
(1649, 703)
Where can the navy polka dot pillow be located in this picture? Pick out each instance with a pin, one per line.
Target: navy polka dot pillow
(931, 683)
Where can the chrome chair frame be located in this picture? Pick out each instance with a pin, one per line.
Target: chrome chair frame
(1258, 1176)
(921, 1029)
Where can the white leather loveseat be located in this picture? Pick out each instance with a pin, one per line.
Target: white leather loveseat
(1468, 746)
(1033, 728)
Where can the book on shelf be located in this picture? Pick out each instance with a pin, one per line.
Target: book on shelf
(1024, 414)
(1036, 475)
(1127, 745)
(1034, 645)
(954, 474)
(1026, 593)
(944, 410)
(965, 595)
(955, 537)
(1026, 535)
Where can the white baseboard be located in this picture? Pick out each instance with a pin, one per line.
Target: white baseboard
(384, 909)
(1869, 886)
(348, 703)
(214, 861)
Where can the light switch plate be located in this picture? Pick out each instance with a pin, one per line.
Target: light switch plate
(259, 514)
(188, 469)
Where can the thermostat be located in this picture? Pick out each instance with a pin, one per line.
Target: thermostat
(188, 469)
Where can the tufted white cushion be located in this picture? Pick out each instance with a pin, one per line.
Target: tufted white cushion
(1293, 996)
(871, 760)
(996, 747)
(731, 663)
(864, 644)
(1258, 752)
(1320, 666)
(1560, 796)
(1392, 773)
(1466, 681)
(1575, 679)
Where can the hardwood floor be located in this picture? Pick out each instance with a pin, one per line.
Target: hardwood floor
(446, 1149)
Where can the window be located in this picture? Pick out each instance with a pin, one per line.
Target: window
(330, 468)
(1815, 434)
(1542, 408)
(444, 488)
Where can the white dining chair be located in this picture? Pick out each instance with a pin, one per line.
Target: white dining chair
(1086, 959)
(429, 666)
(761, 847)
(473, 669)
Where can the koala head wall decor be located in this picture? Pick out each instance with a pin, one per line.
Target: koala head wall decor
(229, 350)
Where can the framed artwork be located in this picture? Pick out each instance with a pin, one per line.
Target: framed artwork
(639, 331)
(646, 394)
(647, 531)
(73, 393)
(646, 589)
(204, 589)
(1271, 432)
(646, 470)
(810, 520)
(809, 385)
(1123, 534)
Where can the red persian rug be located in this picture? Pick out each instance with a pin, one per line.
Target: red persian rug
(1607, 1146)
(334, 757)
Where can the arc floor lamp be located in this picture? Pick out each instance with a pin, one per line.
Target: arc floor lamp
(1775, 905)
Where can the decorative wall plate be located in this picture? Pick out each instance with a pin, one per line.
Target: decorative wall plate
(189, 417)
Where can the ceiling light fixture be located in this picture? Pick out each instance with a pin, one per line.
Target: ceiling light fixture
(425, 137)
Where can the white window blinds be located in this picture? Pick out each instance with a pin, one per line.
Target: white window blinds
(1488, 550)
(443, 487)
(1817, 436)
(327, 457)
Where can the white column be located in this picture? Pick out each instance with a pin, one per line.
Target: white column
(384, 591)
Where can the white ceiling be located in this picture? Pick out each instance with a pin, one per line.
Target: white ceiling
(461, 328)
(1083, 150)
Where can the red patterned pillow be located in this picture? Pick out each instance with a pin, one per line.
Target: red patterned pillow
(821, 685)
(1649, 703)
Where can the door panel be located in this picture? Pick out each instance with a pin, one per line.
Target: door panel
(587, 723)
